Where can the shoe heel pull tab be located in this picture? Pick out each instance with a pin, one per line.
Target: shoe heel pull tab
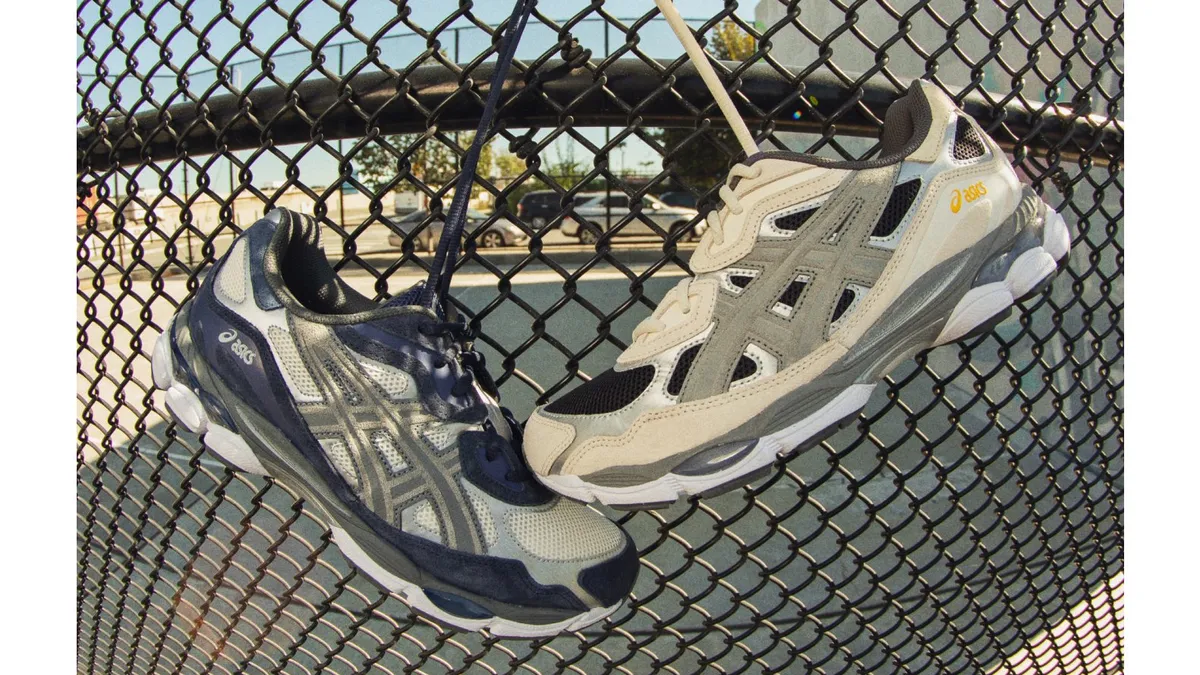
(928, 111)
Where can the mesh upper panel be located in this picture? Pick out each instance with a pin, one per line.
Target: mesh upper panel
(967, 143)
(682, 366)
(793, 221)
(421, 519)
(564, 532)
(897, 207)
(740, 280)
(609, 391)
(386, 447)
(843, 304)
(297, 372)
(394, 382)
(339, 456)
(442, 436)
(792, 293)
(232, 281)
(746, 367)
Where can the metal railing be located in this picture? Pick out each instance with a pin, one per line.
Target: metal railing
(972, 521)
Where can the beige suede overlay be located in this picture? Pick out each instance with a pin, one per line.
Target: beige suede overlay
(669, 431)
(702, 296)
(545, 440)
(781, 184)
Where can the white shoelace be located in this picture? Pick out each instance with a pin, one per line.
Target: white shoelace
(700, 59)
(712, 239)
(715, 236)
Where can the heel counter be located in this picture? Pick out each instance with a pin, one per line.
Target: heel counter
(942, 112)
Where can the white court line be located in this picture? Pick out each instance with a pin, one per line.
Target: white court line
(475, 279)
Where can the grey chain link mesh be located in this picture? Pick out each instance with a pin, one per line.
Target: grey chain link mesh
(971, 521)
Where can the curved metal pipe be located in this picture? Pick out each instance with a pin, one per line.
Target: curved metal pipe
(626, 90)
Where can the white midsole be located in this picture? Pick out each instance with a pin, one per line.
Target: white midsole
(768, 449)
(976, 306)
(189, 410)
(1026, 272)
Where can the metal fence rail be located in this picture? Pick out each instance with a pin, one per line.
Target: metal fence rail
(972, 521)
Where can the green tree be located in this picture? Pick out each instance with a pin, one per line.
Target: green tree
(731, 43)
(509, 167)
(700, 161)
(565, 168)
(434, 162)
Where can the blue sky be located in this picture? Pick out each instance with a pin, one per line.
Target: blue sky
(316, 20)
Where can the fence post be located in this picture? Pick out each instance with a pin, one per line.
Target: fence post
(341, 182)
(188, 231)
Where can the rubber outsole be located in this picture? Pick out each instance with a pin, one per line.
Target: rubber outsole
(978, 313)
(232, 451)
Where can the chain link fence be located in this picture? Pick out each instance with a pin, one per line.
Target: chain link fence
(971, 521)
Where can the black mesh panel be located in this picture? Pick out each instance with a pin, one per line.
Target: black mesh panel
(792, 294)
(897, 207)
(682, 366)
(740, 280)
(746, 367)
(793, 221)
(607, 392)
(843, 304)
(967, 143)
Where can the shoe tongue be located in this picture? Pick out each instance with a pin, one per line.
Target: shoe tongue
(669, 311)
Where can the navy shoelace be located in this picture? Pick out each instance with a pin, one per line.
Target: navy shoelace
(436, 289)
(473, 363)
(444, 260)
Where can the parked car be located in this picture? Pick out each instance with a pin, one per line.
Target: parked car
(404, 203)
(681, 198)
(539, 207)
(597, 212)
(502, 232)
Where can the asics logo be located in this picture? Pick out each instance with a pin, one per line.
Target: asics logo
(238, 347)
(970, 194)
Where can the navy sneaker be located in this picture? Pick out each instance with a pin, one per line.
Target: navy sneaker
(385, 418)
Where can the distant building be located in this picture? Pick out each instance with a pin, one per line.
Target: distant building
(854, 54)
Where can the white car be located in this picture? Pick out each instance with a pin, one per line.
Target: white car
(601, 212)
(502, 231)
